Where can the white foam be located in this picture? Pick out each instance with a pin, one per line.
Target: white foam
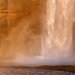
(40, 61)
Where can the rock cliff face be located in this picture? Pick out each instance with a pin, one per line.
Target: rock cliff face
(41, 30)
